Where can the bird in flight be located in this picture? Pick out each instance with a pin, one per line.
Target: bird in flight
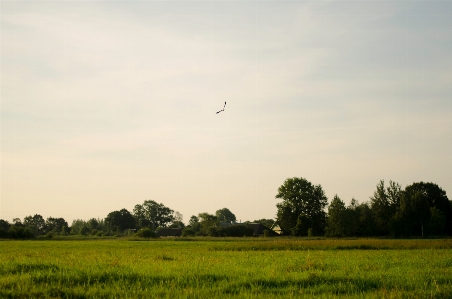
(222, 109)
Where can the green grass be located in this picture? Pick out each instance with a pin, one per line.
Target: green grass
(225, 268)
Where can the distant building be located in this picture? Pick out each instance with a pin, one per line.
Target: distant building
(169, 232)
(276, 228)
(258, 228)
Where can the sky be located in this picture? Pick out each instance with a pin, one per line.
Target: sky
(106, 104)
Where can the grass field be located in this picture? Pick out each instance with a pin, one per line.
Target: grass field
(225, 268)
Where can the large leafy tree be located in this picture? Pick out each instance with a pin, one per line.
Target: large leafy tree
(384, 204)
(337, 219)
(437, 198)
(207, 222)
(225, 215)
(119, 220)
(301, 197)
(55, 225)
(152, 214)
(35, 223)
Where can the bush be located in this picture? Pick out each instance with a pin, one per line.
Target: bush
(49, 235)
(94, 232)
(100, 233)
(213, 232)
(188, 232)
(3, 234)
(146, 233)
(84, 230)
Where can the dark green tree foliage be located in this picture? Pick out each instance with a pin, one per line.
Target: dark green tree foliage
(384, 204)
(119, 220)
(304, 224)
(225, 215)
(4, 227)
(194, 227)
(93, 224)
(152, 214)
(337, 219)
(300, 197)
(437, 222)
(77, 225)
(352, 218)
(437, 198)
(84, 230)
(188, 232)
(36, 224)
(366, 224)
(207, 223)
(55, 225)
(412, 216)
(20, 233)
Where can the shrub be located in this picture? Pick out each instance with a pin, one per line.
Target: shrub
(49, 235)
(94, 232)
(3, 234)
(146, 233)
(100, 233)
(188, 232)
(84, 230)
(213, 232)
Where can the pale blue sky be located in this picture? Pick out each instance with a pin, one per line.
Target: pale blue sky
(105, 104)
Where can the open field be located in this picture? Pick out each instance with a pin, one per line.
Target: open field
(225, 268)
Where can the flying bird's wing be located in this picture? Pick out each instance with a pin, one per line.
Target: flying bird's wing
(221, 109)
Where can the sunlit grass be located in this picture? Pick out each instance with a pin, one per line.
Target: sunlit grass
(242, 268)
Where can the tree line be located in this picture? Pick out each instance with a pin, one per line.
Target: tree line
(420, 209)
(144, 220)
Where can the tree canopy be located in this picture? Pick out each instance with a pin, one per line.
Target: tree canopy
(152, 214)
(302, 202)
(225, 215)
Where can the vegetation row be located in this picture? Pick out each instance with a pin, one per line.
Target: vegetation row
(420, 209)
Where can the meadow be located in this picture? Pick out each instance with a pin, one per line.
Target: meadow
(226, 268)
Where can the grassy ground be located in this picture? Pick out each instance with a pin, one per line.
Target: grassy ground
(225, 268)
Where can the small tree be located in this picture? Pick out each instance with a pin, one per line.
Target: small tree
(336, 218)
(207, 222)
